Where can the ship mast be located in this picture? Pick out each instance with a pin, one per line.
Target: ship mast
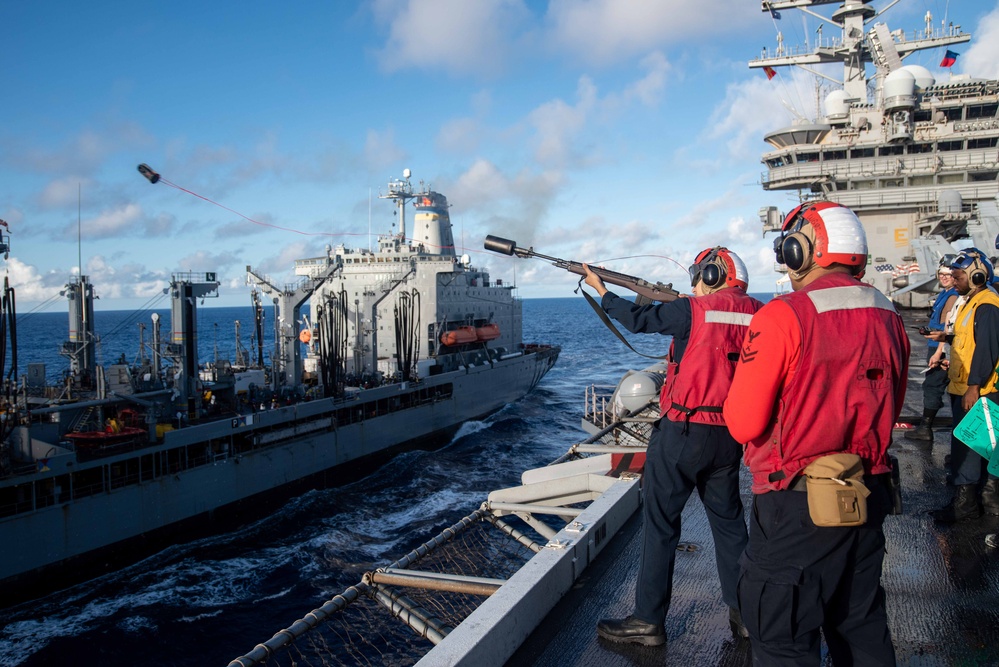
(856, 47)
(401, 192)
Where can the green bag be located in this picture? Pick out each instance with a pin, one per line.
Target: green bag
(979, 430)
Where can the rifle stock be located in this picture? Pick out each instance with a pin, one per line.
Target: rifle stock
(646, 290)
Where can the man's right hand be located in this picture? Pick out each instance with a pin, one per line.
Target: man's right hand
(594, 281)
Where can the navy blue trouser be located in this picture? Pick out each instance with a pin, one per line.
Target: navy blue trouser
(934, 386)
(798, 578)
(678, 461)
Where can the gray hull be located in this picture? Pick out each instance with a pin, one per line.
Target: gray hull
(144, 498)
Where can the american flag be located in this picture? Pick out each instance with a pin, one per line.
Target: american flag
(884, 268)
(905, 269)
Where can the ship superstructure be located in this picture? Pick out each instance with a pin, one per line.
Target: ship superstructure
(403, 345)
(916, 159)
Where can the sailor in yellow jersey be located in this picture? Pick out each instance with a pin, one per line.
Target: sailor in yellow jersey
(972, 374)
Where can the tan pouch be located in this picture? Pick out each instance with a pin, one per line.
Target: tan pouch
(836, 492)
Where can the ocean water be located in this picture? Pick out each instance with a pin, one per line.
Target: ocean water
(208, 601)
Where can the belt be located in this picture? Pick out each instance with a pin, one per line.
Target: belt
(800, 482)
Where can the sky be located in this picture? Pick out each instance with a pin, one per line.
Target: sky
(625, 133)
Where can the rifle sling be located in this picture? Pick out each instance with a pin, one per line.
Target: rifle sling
(606, 320)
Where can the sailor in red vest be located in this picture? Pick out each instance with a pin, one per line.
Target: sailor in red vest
(690, 448)
(822, 372)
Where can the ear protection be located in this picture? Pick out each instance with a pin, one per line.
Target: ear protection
(709, 268)
(794, 250)
(978, 276)
(712, 273)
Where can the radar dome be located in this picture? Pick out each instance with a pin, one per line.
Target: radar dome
(837, 108)
(637, 390)
(899, 89)
(950, 201)
(922, 75)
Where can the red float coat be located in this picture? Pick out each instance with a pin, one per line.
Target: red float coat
(696, 387)
(822, 370)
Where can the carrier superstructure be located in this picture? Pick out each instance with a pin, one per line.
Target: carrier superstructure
(915, 158)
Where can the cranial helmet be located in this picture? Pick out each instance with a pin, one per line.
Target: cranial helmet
(974, 262)
(836, 237)
(719, 267)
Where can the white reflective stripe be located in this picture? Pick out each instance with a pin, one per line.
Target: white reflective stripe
(725, 317)
(988, 422)
(853, 297)
(968, 312)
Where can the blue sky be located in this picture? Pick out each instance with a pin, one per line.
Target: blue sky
(591, 129)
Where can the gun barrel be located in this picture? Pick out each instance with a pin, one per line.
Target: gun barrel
(648, 291)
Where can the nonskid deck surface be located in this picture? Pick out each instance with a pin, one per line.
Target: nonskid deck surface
(942, 582)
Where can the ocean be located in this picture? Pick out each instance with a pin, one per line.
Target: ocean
(208, 601)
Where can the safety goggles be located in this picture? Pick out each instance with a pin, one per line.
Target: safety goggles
(963, 261)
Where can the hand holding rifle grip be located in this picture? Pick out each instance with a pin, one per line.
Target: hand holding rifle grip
(646, 291)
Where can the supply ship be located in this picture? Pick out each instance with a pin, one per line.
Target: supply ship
(401, 345)
(914, 157)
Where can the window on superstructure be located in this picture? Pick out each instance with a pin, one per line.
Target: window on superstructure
(921, 180)
(801, 158)
(833, 155)
(915, 149)
(956, 145)
(861, 152)
(984, 142)
(982, 111)
(891, 182)
(895, 149)
(952, 113)
(950, 179)
(775, 162)
(983, 176)
(922, 116)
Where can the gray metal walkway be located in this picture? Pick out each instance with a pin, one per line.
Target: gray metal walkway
(942, 582)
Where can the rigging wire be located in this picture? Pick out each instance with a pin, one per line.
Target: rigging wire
(154, 177)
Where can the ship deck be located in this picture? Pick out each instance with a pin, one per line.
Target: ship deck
(942, 582)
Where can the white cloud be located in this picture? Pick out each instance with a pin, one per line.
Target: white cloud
(456, 36)
(982, 58)
(648, 90)
(461, 136)
(63, 192)
(282, 263)
(751, 109)
(382, 151)
(557, 124)
(30, 284)
(121, 220)
(207, 261)
(608, 31)
(509, 205)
